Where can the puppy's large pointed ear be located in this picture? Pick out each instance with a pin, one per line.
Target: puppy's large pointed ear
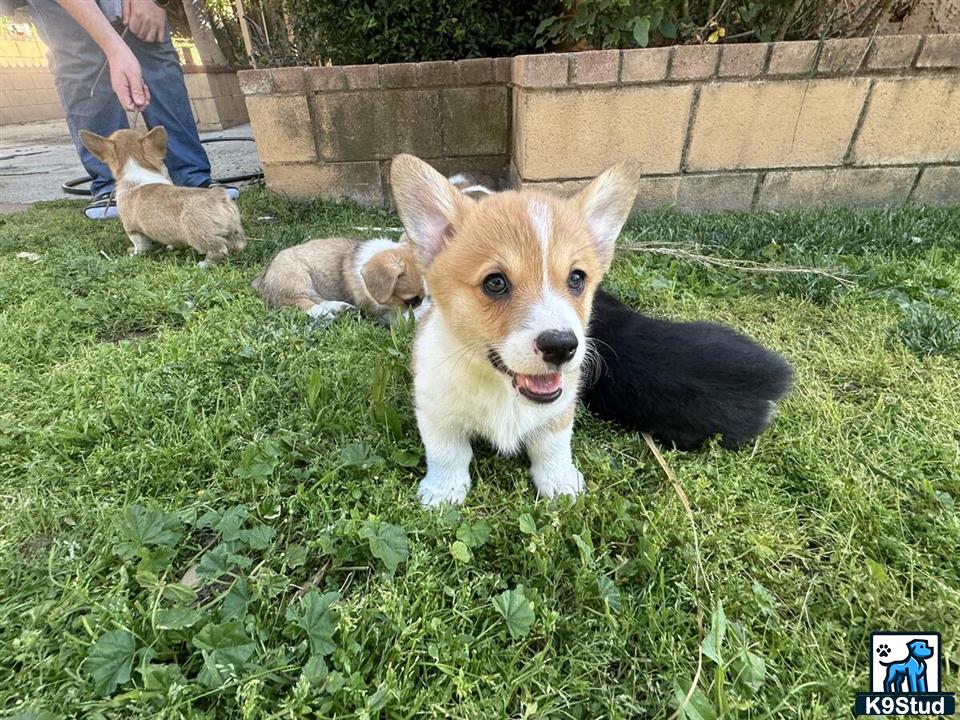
(428, 204)
(100, 146)
(154, 144)
(606, 202)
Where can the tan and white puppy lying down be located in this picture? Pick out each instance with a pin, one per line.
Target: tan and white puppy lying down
(326, 277)
(498, 353)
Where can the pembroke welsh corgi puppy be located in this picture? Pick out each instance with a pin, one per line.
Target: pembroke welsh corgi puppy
(325, 277)
(683, 382)
(498, 353)
(152, 209)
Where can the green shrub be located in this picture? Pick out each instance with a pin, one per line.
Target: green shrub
(386, 31)
(585, 24)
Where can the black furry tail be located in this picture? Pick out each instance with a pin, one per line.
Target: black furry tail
(684, 383)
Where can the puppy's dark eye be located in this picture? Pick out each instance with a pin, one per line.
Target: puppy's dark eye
(413, 302)
(576, 281)
(495, 285)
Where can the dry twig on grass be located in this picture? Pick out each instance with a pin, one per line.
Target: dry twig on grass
(682, 253)
(699, 575)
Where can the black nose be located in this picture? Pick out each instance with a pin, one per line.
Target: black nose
(557, 346)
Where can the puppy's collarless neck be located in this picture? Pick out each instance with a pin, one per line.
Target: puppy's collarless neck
(135, 175)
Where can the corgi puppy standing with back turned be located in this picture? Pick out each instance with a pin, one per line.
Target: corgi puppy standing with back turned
(498, 354)
(152, 209)
(326, 277)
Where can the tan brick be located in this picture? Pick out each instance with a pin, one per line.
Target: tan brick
(911, 120)
(541, 70)
(694, 62)
(281, 127)
(595, 67)
(438, 73)
(476, 71)
(503, 69)
(840, 187)
(287, 79)
(646, 65)
(940, 51)
(716, 193)
(255, 82)
(334, 181)
(398, 75)
(938, 186)
(197, 84)
(560, 188)
(581, 132)
(206, 112)
(475, 120)
(378, 124)
(774, 124)
(892, 52)
(743, 60)
(325, 79)
(792, 58)
(653, 193)
(361, 77)
(844, 56)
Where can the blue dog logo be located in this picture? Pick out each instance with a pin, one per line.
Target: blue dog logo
(905, 677)
(912, 670)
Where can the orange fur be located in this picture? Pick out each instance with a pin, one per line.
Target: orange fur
(152, 210)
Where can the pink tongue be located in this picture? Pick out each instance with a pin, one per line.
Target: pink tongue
(540, 384)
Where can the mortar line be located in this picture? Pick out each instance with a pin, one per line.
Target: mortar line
(916, 182)
(694, 106)
(916, 53)
(848, 155)
(761, 179)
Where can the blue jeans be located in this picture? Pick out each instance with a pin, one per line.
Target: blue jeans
(75, 59)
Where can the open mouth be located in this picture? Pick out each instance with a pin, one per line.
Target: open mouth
(537, 388)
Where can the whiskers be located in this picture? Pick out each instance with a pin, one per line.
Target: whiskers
(465, 353)
(593, 365)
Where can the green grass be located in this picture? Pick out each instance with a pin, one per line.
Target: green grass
(280, 457)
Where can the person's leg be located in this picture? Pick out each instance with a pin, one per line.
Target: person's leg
(75, 59)
(170, 106)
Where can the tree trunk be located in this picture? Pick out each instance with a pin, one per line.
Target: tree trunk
(203, 37)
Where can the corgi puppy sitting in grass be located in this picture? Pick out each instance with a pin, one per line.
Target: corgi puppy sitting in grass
(498, 353)
(326, 277)
(152, 209)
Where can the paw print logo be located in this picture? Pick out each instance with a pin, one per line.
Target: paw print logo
(883, 650)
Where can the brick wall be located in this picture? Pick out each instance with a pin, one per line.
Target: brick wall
(858, 122)
(331, 131)
(215, 97)
(26, 86)
(27, 92)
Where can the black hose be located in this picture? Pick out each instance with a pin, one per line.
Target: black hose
(73, 187)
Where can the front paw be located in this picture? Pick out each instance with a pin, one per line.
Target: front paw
(327, 311)
(563, 481)
(437, 488)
